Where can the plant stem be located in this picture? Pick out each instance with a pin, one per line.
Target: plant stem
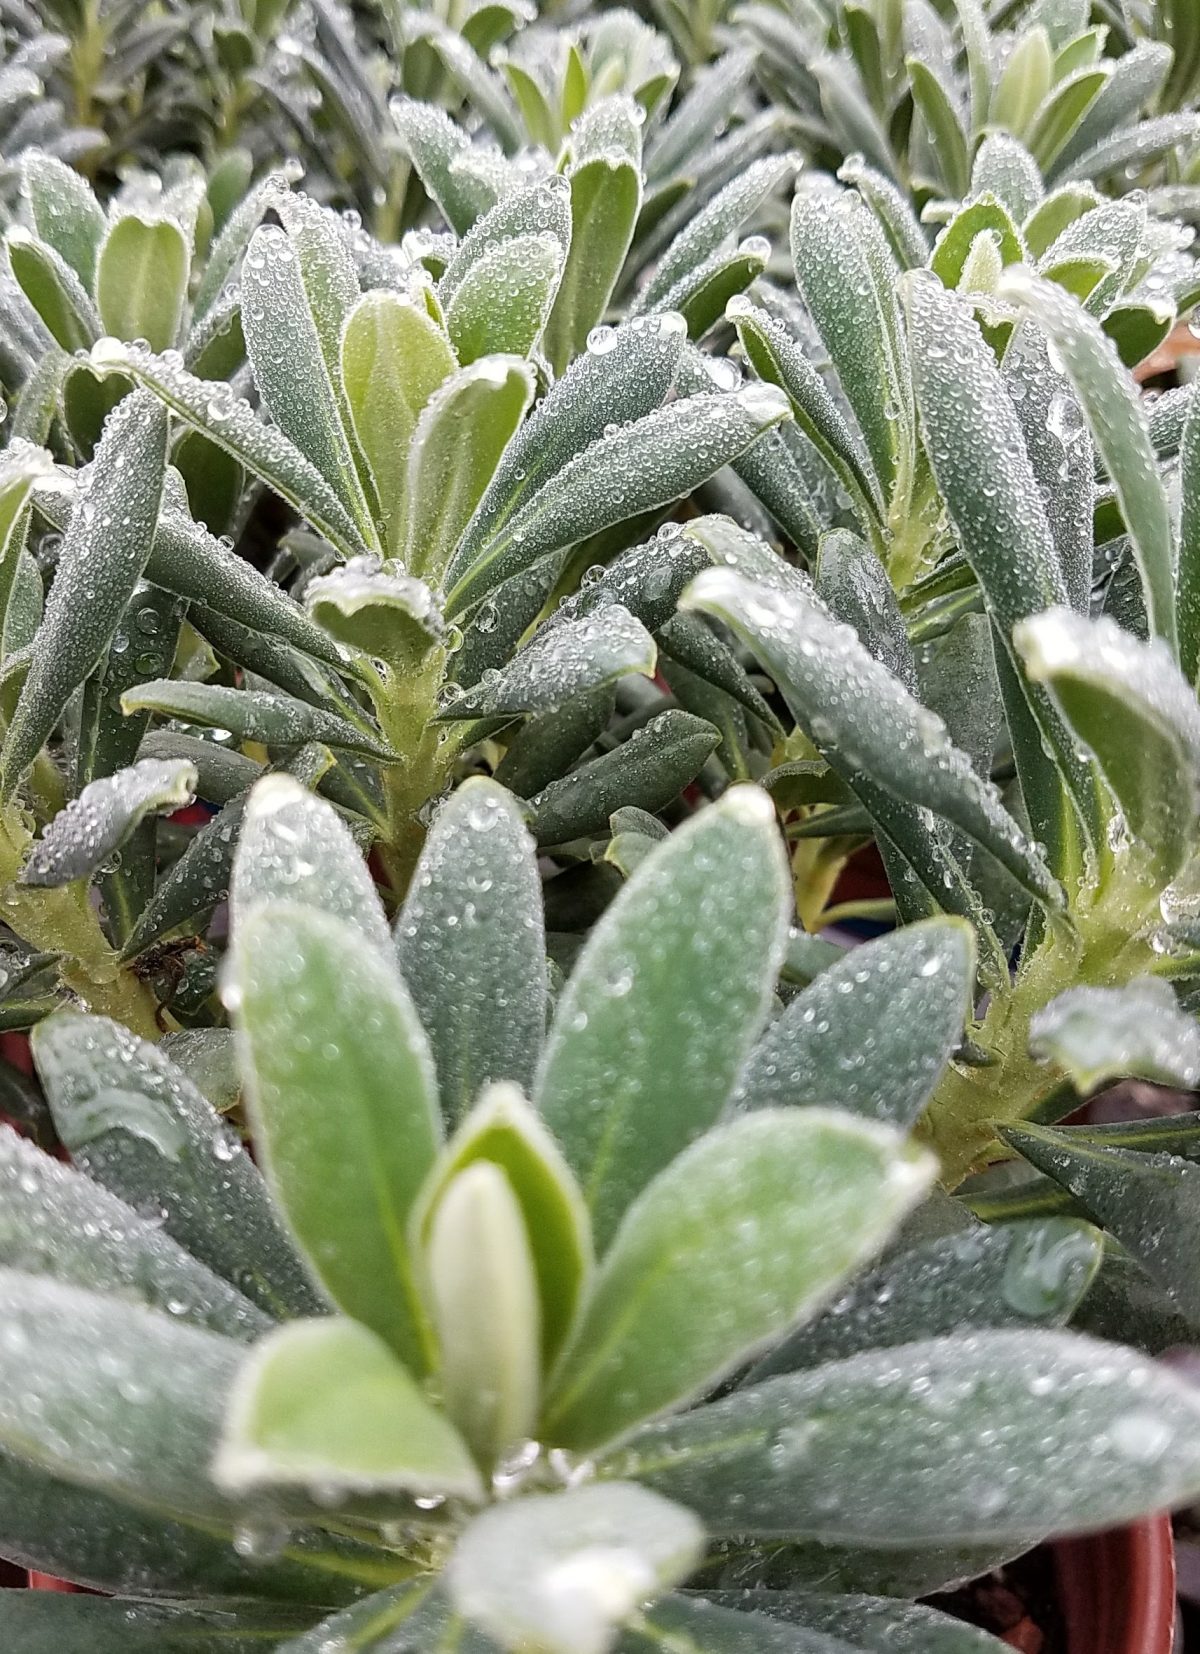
(64, 921)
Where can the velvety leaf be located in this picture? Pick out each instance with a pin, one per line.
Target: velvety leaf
(624, 374)
(564, 1570)
(141, 1129)
(846, 274)
(664, 1002)
(503, 301)
(1148, 1202)
(717, 1257)
(434, 144)
(293, 847)
(635, 469)
(53, 289)
(649, 771)
(317, 1015)
(560, 662)
(1128, 703)
(66, 215)
(997, 1436)
(1188, 576)
(263, 450)
(1102, 1034)
(862, 717)
(711, 1628)
(56, 1221)
(1110, 400)
(873, 1033)
(103, 556)
(1021, 1274)
(470, 944)
(290, 367)
(253, 715)
(326, 1404)
(874, 1625)
(705, 232)
(142, 273)
(76, 1356)
(91, 827)
(459, 437)
(984, 473)
(394, 356)
(604, 172)
(378, 611)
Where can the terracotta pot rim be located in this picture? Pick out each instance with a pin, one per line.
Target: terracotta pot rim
(1117, 1589)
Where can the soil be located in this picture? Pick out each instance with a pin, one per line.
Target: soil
(1017, 1603)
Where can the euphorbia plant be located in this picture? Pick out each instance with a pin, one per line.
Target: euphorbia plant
(527, 1342)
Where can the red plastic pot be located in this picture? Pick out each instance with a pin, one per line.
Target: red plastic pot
(1117, 1589)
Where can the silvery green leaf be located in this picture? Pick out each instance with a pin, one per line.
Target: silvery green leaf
(393, 357)
(847, 276)
(1128, 703)
(938, 112)
(605, 175)
(711, 1628)
(877, 1625)
(222, 772)
(705, 232)
(22, 468)
(1006, 169)
(140, 1128)
(326, 1404)
(1101, 1034)
(830, 682)
(65, 213)
(1060, 451)
(254, 715)
(232, 424)
(56, 1221)
(294, 847)
(318, 1014)
(854, 1452)
(1188, 577)
(560, 662)
(294, 376)
(434, 144)
(778, 358)
(53, 289)
(535, 209)
(648, 770)
(103, 557)
(457, 444)
(638, 467)
(565, 1570)
(649, 985)
(50, 1621)
(470, 944)
(717, 1258)
(89, 1351)
(142, 270)
(1149, 1203)
(647, 580)
(984, 473)
(1135, 146)
(86, 833)
(1020, 1274)
(892, 208)
(624, 374)
(377, 611)
(874, 1032)
(709, 101)
(187, 560)
(504, 300)
(1133, 82)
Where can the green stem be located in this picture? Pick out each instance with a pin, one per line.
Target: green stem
(64, 921)
(406, 704)
(1109, 947)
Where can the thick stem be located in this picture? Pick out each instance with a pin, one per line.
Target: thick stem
(64, 921)
(406, 705)
(1110, 947)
